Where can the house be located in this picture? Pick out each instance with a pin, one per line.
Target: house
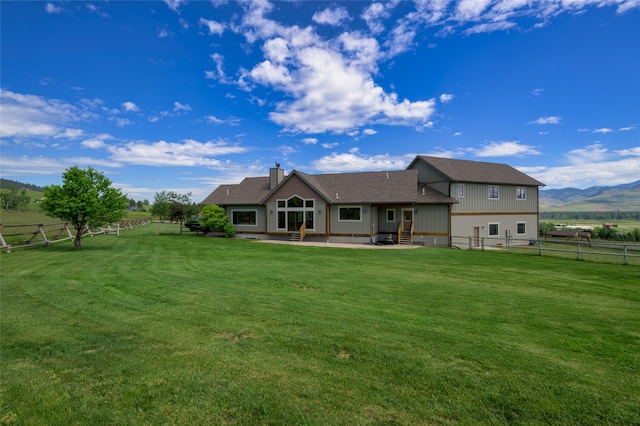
(435, 201)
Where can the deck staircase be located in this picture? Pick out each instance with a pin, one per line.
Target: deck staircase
(295, 237)
(405, 238)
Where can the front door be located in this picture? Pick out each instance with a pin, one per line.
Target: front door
(407, 218)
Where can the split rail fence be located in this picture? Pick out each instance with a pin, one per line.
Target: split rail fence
(19, 236)
(627, 253)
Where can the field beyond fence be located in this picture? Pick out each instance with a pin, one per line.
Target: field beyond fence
(602, 251)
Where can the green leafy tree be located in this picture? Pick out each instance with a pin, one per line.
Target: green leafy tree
(161, 204)
(85, 199)
(213, 217)
(181, 208)
(14, 199)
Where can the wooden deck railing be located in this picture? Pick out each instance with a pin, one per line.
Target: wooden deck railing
(303, 231)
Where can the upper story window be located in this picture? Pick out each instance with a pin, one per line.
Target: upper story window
(521, 194)
(460, 190)
(494, 193)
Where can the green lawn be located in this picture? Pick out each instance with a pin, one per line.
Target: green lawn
(169, 329)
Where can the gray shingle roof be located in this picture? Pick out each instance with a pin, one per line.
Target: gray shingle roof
(250, 191)
(478, 171)
(366, 187)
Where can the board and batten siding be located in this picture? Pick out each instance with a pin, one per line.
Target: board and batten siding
(476, 199)
(463, 226)
(259, 227)
(296, 187)
(432, 177)
(351, 227)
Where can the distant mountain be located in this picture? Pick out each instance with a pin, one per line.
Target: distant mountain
(623, 197)
(12, 184)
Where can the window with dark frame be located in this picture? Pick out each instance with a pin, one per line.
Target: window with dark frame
(493, 229)
(245, 217)
(521, 228)
(350, 214)
(391, 215)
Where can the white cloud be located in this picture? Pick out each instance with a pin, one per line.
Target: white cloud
(537, 92)
(505, 149)
(48, 166)
(469, 10)
(369, 132)
(175, 4)
(331, 16)
(626, 129)
(214, 27)
(552, 119)
(446, 98)
(589, 154)
(164, 33)
(177, 107)
(35, 116)
(96, 141)
(95, 9)
(130, 106)
(309, 141)
(353, 162)
(330, 145)
(162, 153)
(603, 130)
(607, 172)
(230, 121)
(52, 8)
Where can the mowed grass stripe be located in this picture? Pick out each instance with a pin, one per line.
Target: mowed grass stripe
(186, 329)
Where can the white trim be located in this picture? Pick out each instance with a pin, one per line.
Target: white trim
(460, 186)
(394, 215)
(524, 192)
(497, 187)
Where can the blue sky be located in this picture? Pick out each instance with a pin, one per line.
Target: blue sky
(186, 95)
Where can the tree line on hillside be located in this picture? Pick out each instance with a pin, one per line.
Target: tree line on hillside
(13, 184)
(591, 215)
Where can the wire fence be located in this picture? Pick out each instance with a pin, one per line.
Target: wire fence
(605, 251)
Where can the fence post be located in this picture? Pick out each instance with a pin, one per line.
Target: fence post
(470, 243)
(578, 251)
(539, 247)
(508, 245)
(482, 243)
(624, 262)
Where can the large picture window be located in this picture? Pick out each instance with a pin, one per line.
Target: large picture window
(350, 214)
(293, 212)
(245, 217)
